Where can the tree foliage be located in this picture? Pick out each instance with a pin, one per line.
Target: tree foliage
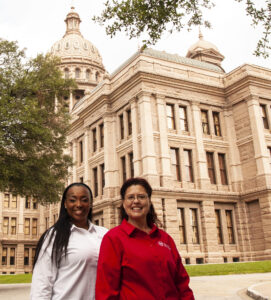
(33, 128)
(153, 17)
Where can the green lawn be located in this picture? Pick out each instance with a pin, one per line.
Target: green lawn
(229, 268)
(193, 270)
(19, 278)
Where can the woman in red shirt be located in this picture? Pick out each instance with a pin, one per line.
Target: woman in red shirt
(137, 259)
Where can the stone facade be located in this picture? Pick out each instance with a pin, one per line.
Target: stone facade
(200, 136)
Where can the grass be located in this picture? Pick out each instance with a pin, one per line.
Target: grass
(229, 268)
(193, 270)
(18, 278)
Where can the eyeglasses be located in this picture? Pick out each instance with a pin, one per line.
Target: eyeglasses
(140, 197)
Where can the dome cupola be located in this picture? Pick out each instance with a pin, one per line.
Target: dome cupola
(80, 59)
(205, 51)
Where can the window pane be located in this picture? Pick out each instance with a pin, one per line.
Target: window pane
(230, 226)
(182, 226)
(170, 116)
(188, 166)
(218, 226)
(183, 118)
(174, 154)
(211, 169)
(216, 124)
(194, 225)
(204, 122)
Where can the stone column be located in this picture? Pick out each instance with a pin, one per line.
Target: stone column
(260, 147)
(235, 170)
(209, 234)
(135, 135)
(166, 176)
(201, 163)
(86, 150)
(147, 138)
(74, 159)
(110, 157)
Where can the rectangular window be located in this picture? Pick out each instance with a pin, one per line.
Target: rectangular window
(183, 118)
(102, 175)
(264, 116)
(129, 121)
(211, 167)
(230, 226)
(46, 222)
(101, 127)
(14, 201)
(27, 202)
(55, 218)
(95, 181)
(33, 254)
(194, 225)
(204, 122)
(218, 226)
(26, 256)
(269, 151)
(170, 116)
(131, 163)
(222, 168)
(175, 163)
(4, 256)
(121, 126)
(123, 166)
(34, 226)
(188, 167)
(6, 200)
(182, 226)
(81, 152)
(12, 257)
(35, 203)
(94, 140)
(217, 128)
(27, 226)
(5, 225)
(13, 225)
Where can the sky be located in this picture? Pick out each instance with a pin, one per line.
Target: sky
(38, 24)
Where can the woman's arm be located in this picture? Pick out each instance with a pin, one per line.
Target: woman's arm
(44, 275)
(108, 270)
(182, 278)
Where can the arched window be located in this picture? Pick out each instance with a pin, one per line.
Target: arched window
(66, 73)
(97, 76)
(77, 73)
(87, 74)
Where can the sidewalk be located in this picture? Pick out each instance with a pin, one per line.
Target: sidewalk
(260, 291)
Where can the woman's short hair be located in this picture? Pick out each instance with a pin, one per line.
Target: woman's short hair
(151, 216)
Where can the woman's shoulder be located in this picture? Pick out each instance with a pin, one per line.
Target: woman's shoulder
(100, 229)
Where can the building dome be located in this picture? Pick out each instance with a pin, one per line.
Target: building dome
(205, 51)
(201, 44)
(73, 45)
(80, 59)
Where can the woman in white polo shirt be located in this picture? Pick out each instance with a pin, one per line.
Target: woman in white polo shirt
(66, 257)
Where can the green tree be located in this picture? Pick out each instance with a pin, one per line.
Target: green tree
(33, 124)
(153, 17)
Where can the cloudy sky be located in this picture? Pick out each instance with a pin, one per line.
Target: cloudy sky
(38, 24)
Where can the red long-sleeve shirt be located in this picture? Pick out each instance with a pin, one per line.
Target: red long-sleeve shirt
(135, 265)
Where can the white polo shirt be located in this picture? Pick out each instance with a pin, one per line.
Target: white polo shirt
(76, 276)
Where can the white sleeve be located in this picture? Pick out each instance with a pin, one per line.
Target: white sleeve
(44, 275)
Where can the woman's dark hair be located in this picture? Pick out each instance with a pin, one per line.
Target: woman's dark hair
(61, 229)
(151, 216)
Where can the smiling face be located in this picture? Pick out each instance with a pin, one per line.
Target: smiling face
(77, 204)
(136, 204)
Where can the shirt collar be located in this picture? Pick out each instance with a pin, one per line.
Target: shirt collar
(91, 227)
(129, 228)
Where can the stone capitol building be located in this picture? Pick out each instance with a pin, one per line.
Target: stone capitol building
(199, 135)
